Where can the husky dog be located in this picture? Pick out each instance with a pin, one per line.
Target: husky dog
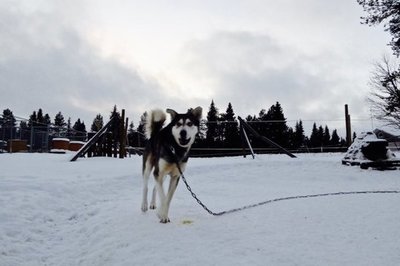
(166, 147)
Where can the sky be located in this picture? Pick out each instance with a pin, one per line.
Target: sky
(82, 57)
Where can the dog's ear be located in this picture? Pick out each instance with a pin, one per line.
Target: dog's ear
(196, 112)
(172, 113)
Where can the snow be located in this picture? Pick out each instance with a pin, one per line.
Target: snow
(56, 212)
(77, 142)
(61, 139)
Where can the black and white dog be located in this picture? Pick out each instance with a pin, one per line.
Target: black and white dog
(166, 147)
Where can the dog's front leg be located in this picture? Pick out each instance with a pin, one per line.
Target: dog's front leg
(162, 212)
(166, 200)
(173, 184)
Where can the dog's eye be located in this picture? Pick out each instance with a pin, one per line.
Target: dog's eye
(189, 124)
(179, 124)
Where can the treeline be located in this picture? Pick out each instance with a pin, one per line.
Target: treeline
(41, 122)
(221, 130)
(217, 130)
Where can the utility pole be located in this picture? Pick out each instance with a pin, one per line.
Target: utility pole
(348, 125)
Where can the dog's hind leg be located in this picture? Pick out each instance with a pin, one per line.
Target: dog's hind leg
(146, 174)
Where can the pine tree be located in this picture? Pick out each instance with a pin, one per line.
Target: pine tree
(59, 124)
(59, 120)
(232, 137)
(291, 138)
(262, 127)
(7, 124)
(24, 130)
(140, 129)
(79, 126)
(79, 130)
(115, 125)
(37, 119)
(250, 118)
(212, 127)
(299, 135)
(7, 119)
(32, 122)
(221, 124)
(335, 140)
(314, 141)
(46, 119)
(320, 136)
(97, 123)
(277, 129)
(40, 118)
(326, 137)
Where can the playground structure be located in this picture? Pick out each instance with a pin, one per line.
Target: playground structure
(110, 140)
(245, 139)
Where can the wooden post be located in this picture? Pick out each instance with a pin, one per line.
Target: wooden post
(348, 125)
(126, 137)
(122, 135)
(109, 144)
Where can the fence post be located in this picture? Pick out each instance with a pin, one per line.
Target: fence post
(31, 144)
(122, 135)
(47, 138)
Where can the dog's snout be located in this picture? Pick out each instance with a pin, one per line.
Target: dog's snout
(183, 134)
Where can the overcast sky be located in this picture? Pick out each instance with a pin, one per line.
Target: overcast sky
(81, 57)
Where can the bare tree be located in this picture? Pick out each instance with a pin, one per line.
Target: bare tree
(387, 12)
(385, 95)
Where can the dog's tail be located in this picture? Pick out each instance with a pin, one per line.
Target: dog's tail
(154, 122)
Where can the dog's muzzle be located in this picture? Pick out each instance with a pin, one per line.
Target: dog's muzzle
(184, 141)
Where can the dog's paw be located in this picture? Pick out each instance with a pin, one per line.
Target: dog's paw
(163, 218)
(153, 206)
(144, 207)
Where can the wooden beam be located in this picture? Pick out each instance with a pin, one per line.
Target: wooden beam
(245, 140)
(82, 151)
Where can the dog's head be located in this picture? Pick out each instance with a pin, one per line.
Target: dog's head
(185, 126)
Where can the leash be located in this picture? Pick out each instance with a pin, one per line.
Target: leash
(278, 199)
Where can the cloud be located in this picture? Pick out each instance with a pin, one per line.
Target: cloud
(253, 70)
(82, 57)
(47, 65)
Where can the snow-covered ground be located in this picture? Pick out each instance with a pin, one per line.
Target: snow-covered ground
(56, 212)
